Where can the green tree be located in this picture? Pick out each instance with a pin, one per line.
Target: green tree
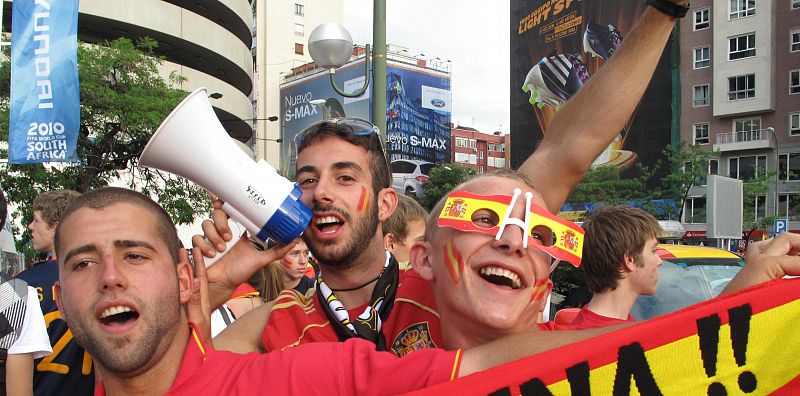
(607, 185)
(123, 101)
(690, 167)
(754, 197)
(443, 179)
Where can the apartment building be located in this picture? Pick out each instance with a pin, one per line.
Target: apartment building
(481, 152)
(740, 97)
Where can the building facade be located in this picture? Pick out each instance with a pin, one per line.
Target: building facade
(740, 97)
(481, 152)
(280, 44)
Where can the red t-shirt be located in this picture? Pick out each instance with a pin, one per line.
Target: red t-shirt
(412, 325)
(351, 367)
(587, 319)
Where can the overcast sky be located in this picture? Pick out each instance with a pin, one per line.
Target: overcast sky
(472, 34)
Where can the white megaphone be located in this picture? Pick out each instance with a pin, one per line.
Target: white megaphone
(192, 143)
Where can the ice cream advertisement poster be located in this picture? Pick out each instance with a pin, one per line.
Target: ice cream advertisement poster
(556, 47)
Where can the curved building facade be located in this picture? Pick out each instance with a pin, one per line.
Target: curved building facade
(206, 41)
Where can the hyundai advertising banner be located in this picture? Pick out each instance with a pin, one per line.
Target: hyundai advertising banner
(417, 115)
(44, 112)
(557, 45)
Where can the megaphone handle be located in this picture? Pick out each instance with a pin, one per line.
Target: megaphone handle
(236, 231)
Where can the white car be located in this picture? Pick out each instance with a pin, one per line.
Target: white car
(408, 176)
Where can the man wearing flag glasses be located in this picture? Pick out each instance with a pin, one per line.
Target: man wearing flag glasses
(488, 251)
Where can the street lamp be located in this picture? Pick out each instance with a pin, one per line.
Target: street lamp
(330, 45)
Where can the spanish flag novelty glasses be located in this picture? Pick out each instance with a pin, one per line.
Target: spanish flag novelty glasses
(491, 214)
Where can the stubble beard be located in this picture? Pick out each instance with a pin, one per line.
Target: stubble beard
(345, 256)
(124, 356)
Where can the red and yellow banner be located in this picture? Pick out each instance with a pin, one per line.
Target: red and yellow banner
(744, 343)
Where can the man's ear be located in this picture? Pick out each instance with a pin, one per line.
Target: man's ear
(546, 293)
(57, 297)
(387, 203)
(388, 241)
(421, 260)
(629, 263)
(185, 277)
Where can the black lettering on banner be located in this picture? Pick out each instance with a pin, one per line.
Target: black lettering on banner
(708, 333)
(632, 363)
(578, 377)
(501, 392)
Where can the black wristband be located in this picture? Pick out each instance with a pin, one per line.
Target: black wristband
(672, 9)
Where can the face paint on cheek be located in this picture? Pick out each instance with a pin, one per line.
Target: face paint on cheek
(539, 290)
(453, 262)
(287, 263)
(363, 200)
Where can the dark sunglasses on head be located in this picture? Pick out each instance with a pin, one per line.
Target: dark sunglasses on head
(356, 126)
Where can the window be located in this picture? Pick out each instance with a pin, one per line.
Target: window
(299, 10)
(789, 167)
(461, 142)
(743, 46)
(701, 134)
(794, 40)
(746, 168)
(694, 210)
(298, 48)
(480, 154)
(710, 167)
(462, 158)
(702, 19)
(794, 124)
(473, 159)
(500, 162)
(794, 81)
(702, 57)
(700, 97)
(480, 170)
(746, 124)
(789, 206)
(473, 143)
(742, 8)
(299, 29)
(760, 207)
(742, 87)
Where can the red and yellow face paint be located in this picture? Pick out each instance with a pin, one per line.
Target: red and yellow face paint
(567, 237)
(287, 262)
(453, 262)
(539, 289)
(363, 200)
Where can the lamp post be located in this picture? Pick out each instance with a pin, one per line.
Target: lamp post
(330, 45)
(772, 134)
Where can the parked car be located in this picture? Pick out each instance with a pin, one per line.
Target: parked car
(689, 274)
(408, 176)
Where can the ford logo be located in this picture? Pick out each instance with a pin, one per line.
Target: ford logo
(437, 102)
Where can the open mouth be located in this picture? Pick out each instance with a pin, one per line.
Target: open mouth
(500, 277)
(118, 315)
(328, 224)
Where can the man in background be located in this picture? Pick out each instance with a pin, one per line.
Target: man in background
(620, 262)
(68, 370)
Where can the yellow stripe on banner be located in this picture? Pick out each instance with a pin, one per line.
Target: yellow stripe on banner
(677, 367)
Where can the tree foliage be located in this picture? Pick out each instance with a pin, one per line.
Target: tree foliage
(443, 179)
(123, 101)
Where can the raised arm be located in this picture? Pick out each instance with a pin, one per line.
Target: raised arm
(596, 114)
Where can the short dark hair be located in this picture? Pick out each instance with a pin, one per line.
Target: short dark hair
(437, 209)
(611, 233)
(52, 204)
(379, 167)
(107, 196)
(408, 210)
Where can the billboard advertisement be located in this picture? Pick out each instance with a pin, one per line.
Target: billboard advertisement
(417, 116)
(556, 46)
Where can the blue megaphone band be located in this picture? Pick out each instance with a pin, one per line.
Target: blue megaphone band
(289, 220)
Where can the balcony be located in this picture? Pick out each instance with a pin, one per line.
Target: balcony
(745, 140)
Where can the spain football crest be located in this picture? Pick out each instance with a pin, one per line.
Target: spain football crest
(413, 338)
